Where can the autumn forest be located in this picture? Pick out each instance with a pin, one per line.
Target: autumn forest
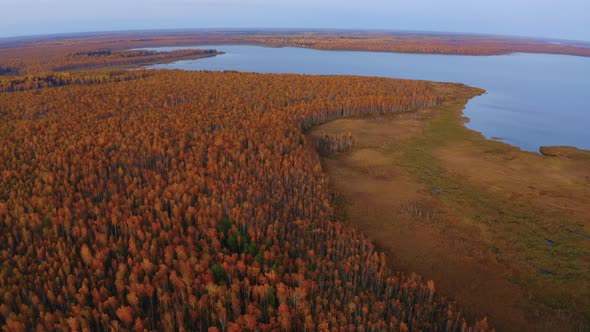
(134, 199)
(174, 200)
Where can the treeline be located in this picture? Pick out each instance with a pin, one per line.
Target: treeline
(32, 82)
(108, 58)
(59, 57)
(5, 70)
(419, 43)
(31, 57)
(187, 200)
(331, 144)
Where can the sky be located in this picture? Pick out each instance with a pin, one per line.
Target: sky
(563, 19)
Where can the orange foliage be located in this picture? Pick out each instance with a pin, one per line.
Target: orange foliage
(108, 58)
(418, 43)
(24, 83)
(193, 200)
(125, 314)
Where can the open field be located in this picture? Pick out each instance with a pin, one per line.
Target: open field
(477, 215)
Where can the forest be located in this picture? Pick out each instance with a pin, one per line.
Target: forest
(56, 58)
(50, 80)
(108, 58)
(172, 200)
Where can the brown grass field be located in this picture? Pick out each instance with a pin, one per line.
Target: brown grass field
(504, 232)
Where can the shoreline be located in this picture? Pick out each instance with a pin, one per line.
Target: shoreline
(454, 206)
(381, 41)
(534, 149)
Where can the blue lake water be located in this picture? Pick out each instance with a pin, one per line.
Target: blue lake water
(532, 100)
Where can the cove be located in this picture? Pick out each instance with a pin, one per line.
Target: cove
(532, 100)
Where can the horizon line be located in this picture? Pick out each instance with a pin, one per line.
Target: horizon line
(292, 29)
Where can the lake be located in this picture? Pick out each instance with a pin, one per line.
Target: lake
(532, 100)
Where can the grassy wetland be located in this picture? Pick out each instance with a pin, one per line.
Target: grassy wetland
(479, 215)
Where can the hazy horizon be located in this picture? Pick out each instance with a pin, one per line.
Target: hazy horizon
(291, 29)
(567, 19)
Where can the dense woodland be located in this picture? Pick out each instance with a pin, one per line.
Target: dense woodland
(108, 58)
(5, 70)
(59, 58)
(427, 44)
(170, 200)
(52, 80)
